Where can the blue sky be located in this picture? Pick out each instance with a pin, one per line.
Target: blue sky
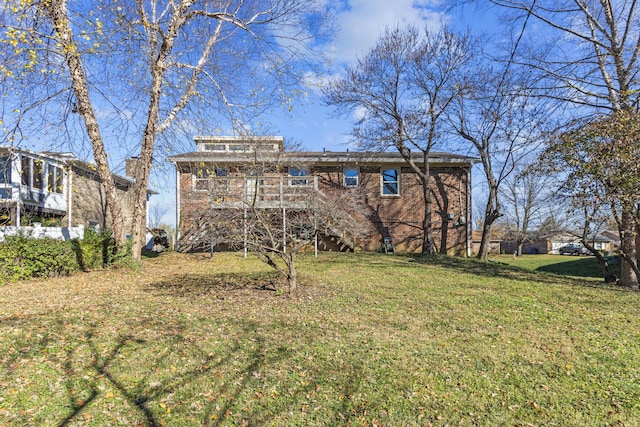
(359, 24)
(311, 124)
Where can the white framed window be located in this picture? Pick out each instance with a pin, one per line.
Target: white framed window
(201, 178)
(5, 169)
(55, 176)
(298, 172)
(215, 147)
(351, 177)
(32, 170)
(390, 182)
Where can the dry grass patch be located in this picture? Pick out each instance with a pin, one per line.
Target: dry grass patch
(371, 340)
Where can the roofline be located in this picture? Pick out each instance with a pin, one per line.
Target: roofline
(322, 157)
(69, 158)
(45, 154)
(228, 138)
(258, 140)
(84, 165)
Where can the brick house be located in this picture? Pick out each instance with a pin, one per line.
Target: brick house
(56, 188)
(390, 191)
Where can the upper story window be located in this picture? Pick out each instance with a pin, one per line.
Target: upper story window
(298, 172)
(215, 147)
(390, 182)
(55, 176)
(351, 177)
(201, 178)
(32, 170)
(5, 170)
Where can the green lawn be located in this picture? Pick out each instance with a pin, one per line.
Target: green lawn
(585, 267)
(373, 340)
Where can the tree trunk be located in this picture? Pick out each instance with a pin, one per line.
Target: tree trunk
(604, 265)
(139, 226)
(490, 216)
(428, 245)
(158, 68)
(57, 11)
(519, 246)
(628, 268)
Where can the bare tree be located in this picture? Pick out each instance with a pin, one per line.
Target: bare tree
(259, 209)
(401, 89)
(502, 122)
(156, 213)
(588, 57)
(527, 195)
(154, 63)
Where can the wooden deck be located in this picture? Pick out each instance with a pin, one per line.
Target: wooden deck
(263, 192)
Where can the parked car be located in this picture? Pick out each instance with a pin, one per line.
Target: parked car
(574, 249)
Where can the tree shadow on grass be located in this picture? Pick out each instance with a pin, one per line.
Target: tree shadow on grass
(217, 284)
(548, 274)
(91, 363)
(578, 267)
(142, 395)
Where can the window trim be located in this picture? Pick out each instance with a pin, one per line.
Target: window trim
(298, 172)
(356, 177)
(26, 171)
(201, 174)
(396, 182)
(55, 179)
(5, 171)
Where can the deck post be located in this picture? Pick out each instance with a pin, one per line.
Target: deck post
(284, 229)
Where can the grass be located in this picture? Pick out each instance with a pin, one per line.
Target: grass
(584, 267)
(372, 340)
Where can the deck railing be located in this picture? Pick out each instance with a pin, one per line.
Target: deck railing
(263, 192)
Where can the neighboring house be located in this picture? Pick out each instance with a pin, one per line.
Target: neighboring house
(476, 239)
(56, 188)
(390, 191)
(551, 243)
(548, 243)
(610, 241)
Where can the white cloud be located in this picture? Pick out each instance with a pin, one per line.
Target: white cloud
(361, 22)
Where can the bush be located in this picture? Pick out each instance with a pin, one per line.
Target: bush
(23, 258)
(99, 250)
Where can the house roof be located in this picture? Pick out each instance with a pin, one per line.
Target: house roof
(476, 236)
(613, 235)
(322, 157)
(119, 179)
(71, 159)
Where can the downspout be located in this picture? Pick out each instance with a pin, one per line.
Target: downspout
(69, 197)
(177, 207)
(15, 184)
(468, 210)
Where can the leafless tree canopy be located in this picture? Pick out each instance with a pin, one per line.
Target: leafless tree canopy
(399, 92)
(132, 71)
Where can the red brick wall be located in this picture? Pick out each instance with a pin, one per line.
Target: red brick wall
(399, 217)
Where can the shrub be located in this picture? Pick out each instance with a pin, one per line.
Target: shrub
(23, 258)
(98, 250)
